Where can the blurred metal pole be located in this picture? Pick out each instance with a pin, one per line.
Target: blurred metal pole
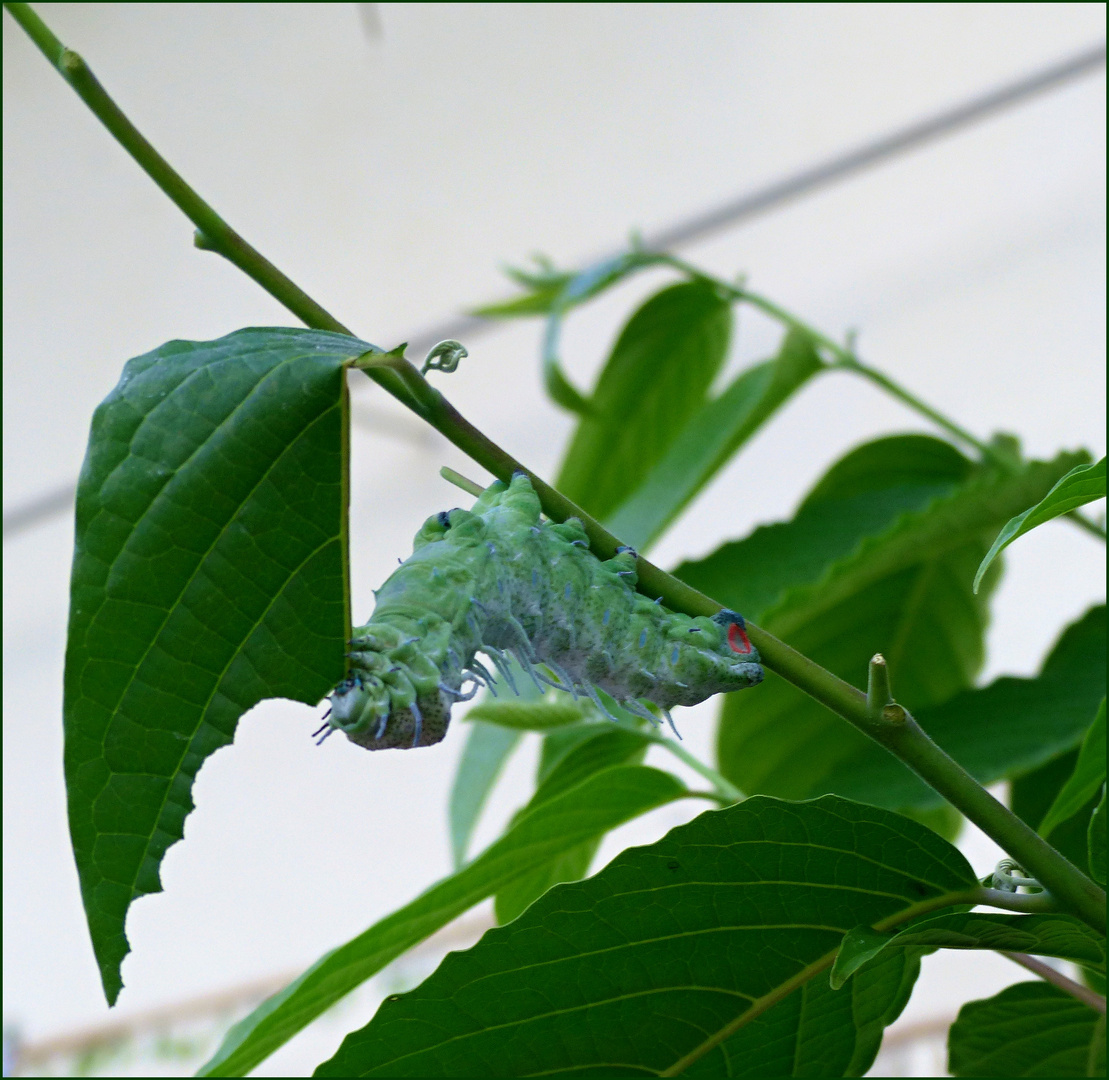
(820, 175)
(772, 195)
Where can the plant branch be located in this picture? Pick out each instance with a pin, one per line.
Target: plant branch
(1057, 978)
(845, 359)
(213, 233)
(893, 728)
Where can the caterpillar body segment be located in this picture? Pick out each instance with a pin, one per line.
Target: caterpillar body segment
(498, 580)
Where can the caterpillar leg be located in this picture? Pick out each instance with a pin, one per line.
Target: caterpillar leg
(525, 662)
(500, 662)
(591, 690)
(670, 721)
(570, 686)
(556, 684)
(458, 695)
(637, 708)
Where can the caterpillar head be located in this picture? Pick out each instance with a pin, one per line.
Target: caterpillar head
(393, 696)
(735, 634)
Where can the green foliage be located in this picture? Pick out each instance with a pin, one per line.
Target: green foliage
(698, 953)
(1084, 782)
(1030, 1029)
(1004, 730)
(710, 437)
(879, 558)
(1062, 936)
(529, 715)
(603, 748)
(1032, 793)
(1096, 841)
(590, 809)
(487, 748)
(1083, 484)
(209, 572)
(656, 378)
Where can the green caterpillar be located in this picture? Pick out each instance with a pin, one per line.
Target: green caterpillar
(499, 580)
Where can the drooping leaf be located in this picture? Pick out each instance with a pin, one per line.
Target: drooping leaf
(1084, 782)
(710, 438)
(1096, 841)
(901, 587)
(607, 747)
(1030, 1029)
(1003, 730)
(1057, 935)
(697, 954)
(602, 802)
(487, 748)
(657, 376)
(209, 573)
(1083, 484)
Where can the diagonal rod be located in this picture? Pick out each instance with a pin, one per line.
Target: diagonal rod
(813, 178)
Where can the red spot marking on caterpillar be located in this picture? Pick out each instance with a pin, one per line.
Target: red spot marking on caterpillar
(738, 639)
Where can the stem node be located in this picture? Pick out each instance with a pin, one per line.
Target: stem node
(878, 694)
(894, 714)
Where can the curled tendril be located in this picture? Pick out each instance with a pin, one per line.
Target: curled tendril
(444, 357)
(1010, 876)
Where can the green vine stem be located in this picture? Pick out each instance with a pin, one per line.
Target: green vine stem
(212, 232)
(894, 728)
(845, 359)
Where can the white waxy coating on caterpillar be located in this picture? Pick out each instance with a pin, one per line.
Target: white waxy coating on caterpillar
(500, 581)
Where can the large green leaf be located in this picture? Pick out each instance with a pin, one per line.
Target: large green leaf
(710, 437)
(1062, 936)
(899, 584)
(608, 746)
(602, 802)
(209, 573)
(1083, 484)
(862, 495)
(1085, 781)
(656, 378)
(696, 954)
(1003, 730)
(1030, 1029)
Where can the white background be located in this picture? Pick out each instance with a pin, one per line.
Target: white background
(390, 164)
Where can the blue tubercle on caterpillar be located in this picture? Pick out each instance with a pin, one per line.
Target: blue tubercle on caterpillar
(498, 580)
